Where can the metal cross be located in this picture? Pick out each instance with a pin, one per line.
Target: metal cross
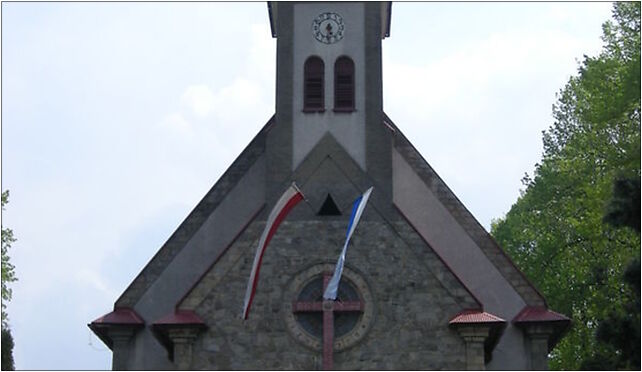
(328, 308)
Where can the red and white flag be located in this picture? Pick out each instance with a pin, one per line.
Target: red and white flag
(288, 200)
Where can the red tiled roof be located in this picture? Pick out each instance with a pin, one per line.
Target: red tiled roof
(538, 314)
(475, 316)
(120, 316)
(184, 317)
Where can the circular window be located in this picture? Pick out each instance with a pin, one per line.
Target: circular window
(312, 321)
(352, 311)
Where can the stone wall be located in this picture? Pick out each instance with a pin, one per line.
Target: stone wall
(414, 298)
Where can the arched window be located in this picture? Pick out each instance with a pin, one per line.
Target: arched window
(313, 92)
(344, 84)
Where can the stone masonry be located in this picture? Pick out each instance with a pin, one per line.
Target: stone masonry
(415, 298)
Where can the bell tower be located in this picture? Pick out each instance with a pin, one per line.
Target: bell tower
(328, 82)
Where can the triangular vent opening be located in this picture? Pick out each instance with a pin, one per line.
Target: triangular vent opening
(329, 208)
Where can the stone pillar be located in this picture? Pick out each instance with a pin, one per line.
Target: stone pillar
(474, 338)
(537, 336)
(183, 339)
(121, 337)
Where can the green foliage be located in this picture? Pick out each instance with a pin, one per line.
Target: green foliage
(555, 231)
(7, 350)
(8, 273)
(632, 278)
(624, 207)
(619, 333)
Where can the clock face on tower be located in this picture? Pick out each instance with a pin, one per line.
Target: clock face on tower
(328, 28)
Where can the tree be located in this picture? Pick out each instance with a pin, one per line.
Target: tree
(555, 231)
(624, 207)
(8, 276)
(620, 332)
(7, 350)
(8, 273)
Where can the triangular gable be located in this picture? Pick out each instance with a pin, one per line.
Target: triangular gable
(329, 153)
(330, 148)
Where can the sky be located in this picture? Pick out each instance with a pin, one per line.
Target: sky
(117, 118)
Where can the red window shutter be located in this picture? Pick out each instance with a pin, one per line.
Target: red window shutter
(344, 84)
(313, 92)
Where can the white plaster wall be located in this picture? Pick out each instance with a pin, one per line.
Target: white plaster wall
(347, 128)
(451, 242)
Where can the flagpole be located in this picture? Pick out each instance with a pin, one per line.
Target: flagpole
(299, 191)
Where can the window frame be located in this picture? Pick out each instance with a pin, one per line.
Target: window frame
(309, 74)
(341, 71)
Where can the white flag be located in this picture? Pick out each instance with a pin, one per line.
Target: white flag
(288, 200)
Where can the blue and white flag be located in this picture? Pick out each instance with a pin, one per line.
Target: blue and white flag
(357, 209)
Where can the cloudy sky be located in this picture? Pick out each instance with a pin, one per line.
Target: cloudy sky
(118, 117)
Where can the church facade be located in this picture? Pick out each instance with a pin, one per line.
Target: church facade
(424, 286)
